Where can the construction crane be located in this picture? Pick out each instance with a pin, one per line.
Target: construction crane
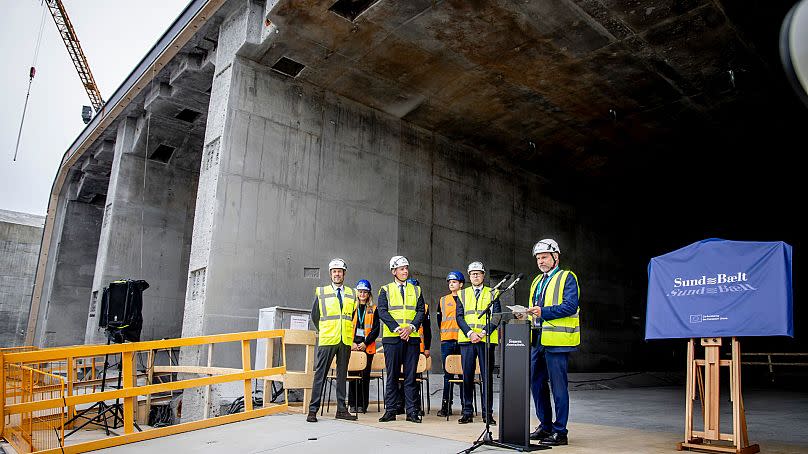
(68, 34)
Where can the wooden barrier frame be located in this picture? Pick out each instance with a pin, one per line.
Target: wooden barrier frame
(293, 379)
(711, 439)
(130, 390)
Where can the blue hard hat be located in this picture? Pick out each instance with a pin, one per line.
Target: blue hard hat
(363, 284)
(455, 275)
(413, 281)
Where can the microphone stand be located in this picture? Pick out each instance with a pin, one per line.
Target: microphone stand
(485, 438)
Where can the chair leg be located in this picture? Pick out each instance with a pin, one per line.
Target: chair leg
(322, 396)
(428, 404)
(474, 399)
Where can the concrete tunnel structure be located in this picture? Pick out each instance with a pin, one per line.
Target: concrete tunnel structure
(259, 139)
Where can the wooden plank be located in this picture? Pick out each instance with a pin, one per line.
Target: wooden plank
(690, 391)
(164, 431)
(199, 370)
(711, 390)
(706, 447)
(299, 337)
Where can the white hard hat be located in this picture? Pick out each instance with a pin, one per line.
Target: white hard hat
(397, 261)
(546, 245)
(476, 266)
(337, 263)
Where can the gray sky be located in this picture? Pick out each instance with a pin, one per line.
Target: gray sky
(115, 35)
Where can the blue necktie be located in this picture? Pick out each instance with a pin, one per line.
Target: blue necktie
(476, 294)
(339, 297)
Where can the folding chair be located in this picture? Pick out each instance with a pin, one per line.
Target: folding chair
(357, 363)
(377, 373)
(454, 365)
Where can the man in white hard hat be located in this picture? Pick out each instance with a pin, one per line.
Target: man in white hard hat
(556, 332)
(332, 315)
(477, 340)
(400, 307)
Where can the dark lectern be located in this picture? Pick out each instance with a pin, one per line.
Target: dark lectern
(514, 392)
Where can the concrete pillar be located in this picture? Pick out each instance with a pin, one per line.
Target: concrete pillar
(20, 235)
(62, 316)
(147, 225)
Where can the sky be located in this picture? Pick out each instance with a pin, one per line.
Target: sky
(114, 34)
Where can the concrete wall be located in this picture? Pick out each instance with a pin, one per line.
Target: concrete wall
(20, 235)
(146, 232)
(304, 175)
(67, 286)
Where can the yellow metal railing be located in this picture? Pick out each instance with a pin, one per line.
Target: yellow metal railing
(38, 430)
(43, 389)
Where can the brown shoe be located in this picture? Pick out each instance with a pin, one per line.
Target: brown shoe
(345, 415)
(312, 417)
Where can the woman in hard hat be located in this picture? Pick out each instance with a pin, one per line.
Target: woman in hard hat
(366, 330)
(447, 321)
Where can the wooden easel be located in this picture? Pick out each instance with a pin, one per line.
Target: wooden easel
(708, 386)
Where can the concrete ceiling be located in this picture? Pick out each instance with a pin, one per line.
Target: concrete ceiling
(580, 84)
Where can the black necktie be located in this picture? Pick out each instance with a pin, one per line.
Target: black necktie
(401, 288)
(476, 294)
(339, 297)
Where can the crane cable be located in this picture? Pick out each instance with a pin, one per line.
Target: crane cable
(31, 75)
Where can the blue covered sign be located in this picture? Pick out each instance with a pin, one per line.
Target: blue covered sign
(719, 288)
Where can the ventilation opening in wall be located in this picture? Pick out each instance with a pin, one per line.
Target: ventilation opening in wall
(188, 115)
(351, 9)
(288, 67)
(162, 153)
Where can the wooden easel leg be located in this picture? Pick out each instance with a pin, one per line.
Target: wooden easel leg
(712, 361)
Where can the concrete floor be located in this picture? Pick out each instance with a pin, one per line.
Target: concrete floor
(628, 418)
(614, 414)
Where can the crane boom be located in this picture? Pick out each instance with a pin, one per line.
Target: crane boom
(71, 41)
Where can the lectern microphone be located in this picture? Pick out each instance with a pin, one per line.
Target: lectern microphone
(515, 281)
(504, 280)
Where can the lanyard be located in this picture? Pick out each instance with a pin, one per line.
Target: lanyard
(538, 296)
(361, 311)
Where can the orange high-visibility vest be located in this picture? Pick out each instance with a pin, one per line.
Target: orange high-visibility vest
(370, 312)
(448, 321)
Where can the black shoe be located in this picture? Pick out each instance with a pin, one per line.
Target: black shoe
(491, 421)
(420, 412)
(443, 412)
(364, 409)
(345, 415)
(414, 418)
(540, 434)
(556, 439)
(465, 419)
(353, 410)
(388, 416)
(312, 417)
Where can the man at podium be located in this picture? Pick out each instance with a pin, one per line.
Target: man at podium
(556, 331)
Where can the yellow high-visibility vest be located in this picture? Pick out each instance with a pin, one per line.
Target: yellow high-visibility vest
(336, 324)
(561, 332)
(474, 312)
(402, 310)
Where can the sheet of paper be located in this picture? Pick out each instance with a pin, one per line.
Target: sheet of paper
(299, 322)
(517, 309)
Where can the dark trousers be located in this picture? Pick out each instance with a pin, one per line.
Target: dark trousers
(549, 370)
(397, 355)
(361, 400)
(469, 353)
(447, 348)
(325, 354)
